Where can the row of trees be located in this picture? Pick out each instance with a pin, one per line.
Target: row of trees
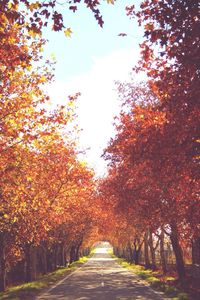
(49, 204)
(46, 192)
(153, 178)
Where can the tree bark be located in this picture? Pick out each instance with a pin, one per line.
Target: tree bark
(137, 249)
(63, 255)
(146, 250)
(136, 255)
(152, 250)
(30, 263)
(131, 253)
(78, 245)
(178, 252)
(44, 268)
(72, 254)
(116, 251)
(196, 251)
(2, 263)
(55, 256)
(50, 260)
(162, 252)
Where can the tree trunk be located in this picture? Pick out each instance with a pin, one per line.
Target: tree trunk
(78, 245)
(136, 256)
(196, 251)
(63, 255)
(55, 256)
(162, 252)
(30, 263)
(137, 249)
(50, 260)
(152, 250)
(178, 252)
(2, 263)
(72, 254)
(116, 251)
(131, 253)
(43, 257)
(146, 250)
(77, 252)
(124, 253)
(121, 254)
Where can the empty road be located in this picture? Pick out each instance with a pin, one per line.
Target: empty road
(101, 278)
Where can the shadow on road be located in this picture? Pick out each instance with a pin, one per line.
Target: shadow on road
(101, 278)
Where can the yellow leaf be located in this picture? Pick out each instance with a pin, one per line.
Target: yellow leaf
(32, 33)
(111, 2)
(12, 123)
(43, 79)
(83, 163)
(71, 104)
(14, 220)
(29, 67)
(34, 6)
(10, 5)
(68, 32)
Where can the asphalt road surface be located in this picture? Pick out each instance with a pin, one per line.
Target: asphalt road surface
(101, 278)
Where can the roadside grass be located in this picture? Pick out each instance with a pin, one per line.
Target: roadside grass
(29, 291)
(110, 251)
(167, 284)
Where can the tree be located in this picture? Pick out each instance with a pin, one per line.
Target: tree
(146, 177)
(170, 54)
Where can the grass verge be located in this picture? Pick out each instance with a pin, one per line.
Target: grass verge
(167, 285)
(29, 291)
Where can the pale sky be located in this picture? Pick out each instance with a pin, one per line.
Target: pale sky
(89, 62)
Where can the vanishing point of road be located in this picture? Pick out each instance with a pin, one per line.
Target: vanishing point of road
(101, 278)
